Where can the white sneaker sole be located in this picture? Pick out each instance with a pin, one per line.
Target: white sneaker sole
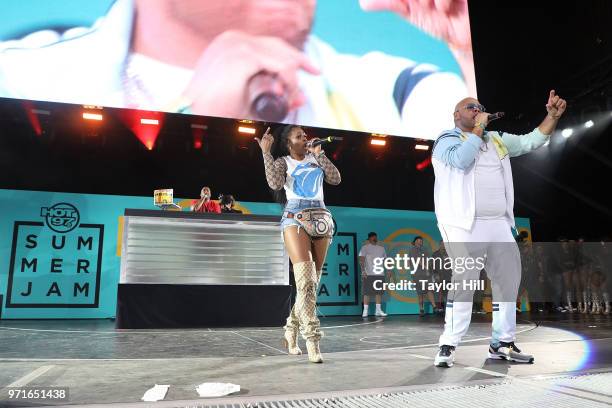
(444, 363)
(504, 357)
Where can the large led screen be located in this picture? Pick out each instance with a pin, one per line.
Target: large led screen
(394, 67)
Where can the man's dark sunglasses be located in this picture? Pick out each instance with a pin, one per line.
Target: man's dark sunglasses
(472, 106)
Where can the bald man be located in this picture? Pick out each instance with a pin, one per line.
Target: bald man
(474, 200)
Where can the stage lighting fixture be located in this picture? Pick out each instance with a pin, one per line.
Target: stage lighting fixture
(197, 132)
(567, 132)
(144, 121)
(92, 116)
(41, 112)
(421, 147)
(378, 139)
(34, 117)
(246, 129)
(588, 124)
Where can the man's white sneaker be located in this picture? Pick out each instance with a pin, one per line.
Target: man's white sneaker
(445, 356)
(509, 351)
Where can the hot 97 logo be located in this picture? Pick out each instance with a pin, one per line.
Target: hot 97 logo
(62, 217)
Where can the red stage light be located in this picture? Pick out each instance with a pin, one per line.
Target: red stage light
(146, 133)
(424, 164)
(197, 141)
(33, 118)
(197, 133)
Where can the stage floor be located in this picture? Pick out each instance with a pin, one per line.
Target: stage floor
(372, 356)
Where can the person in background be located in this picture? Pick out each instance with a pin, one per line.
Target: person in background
(599, 281)
(227, 204)
(205, 204)
(528, 272)
(540, 283)
(555, 269)
(370, 251)
(583, 276)
(521, 239)
(567, 262)
(422, 274)
(479, 296)
(442, 274)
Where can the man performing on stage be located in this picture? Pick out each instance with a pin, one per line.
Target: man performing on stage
(474, 199)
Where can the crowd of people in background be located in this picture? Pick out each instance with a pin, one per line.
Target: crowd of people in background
(570, 276)
(567, 276)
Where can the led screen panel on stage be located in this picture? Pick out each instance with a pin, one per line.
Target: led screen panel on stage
(394, 67)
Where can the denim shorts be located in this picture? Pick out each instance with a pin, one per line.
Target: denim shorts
(294, 206)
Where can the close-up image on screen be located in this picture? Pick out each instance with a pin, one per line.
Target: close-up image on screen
(391, 67)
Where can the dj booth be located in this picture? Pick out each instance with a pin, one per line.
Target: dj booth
(185, 269)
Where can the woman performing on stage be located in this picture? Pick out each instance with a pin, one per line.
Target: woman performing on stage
(307, 226)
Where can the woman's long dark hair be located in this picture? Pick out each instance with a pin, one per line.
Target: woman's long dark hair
(279, 149)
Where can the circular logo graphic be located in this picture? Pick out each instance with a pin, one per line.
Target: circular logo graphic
(62, 217)
(399, 243)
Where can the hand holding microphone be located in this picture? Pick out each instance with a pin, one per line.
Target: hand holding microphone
(494, 116)
(314, 145)
(486, 118)
(255, 76)
(482, 119)
(267, 99)
(316, 141)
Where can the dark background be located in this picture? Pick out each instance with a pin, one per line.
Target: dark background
(521, 51)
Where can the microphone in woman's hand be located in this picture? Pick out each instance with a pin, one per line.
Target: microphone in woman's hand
(328, 139)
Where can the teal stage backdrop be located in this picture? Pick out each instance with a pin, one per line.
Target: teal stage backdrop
(59, 253)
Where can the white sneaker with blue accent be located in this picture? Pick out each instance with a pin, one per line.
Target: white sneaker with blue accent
(509, 351)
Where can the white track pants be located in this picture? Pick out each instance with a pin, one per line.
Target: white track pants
(491, 239)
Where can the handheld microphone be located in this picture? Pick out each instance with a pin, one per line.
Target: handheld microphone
(264, 103)
(494, 116)
(328, 139)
